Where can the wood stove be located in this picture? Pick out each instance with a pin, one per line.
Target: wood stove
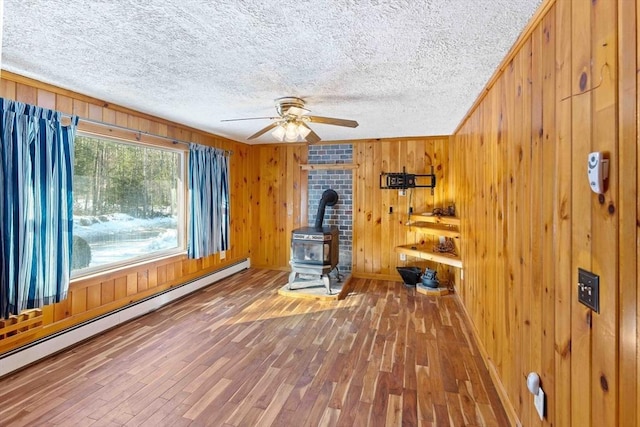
(315, 250)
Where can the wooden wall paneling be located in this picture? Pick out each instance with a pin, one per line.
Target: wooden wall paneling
(358, 208)
(492, 283)
(444, 195)
(273, 190)
(94, 296)
(426, 156)
(95, 113)
(62, 309)
(628, 209)
(561, 400)
(503, 295)
(476, 216)
(8, 89)
(459, 144)
(107, 291)
(295, 156)
(514, 142)
(284, 185)
(78, 301)
(262, 168)
(376, 232)
(386, 219)
(536, 234)
(240, 201)
(549, 177)
(604, 235)
(415, 199)
(489, 282)
(120, 288)
(289, 194)
(80, 108)
(523, 218)
(566, 105)
(397, 219)
(46, 99)
(143, 280)
(507, 315)
(109, 117)
(369, 231)
(27, 94)
(581, 205)
(376, 211)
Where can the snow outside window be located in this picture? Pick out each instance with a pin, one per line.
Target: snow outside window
(127, 203)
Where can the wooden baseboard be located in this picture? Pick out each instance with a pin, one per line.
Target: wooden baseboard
(495, 377)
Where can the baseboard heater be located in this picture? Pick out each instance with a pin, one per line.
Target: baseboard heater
(31, 353)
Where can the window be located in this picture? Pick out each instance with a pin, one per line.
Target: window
(127, 203)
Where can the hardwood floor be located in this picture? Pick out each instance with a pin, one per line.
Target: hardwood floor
(238, 354)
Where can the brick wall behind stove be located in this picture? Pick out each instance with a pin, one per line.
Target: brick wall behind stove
(340, 215)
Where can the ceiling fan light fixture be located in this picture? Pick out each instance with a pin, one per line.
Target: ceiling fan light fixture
(279, 133)
(291, 125)
(291, 132)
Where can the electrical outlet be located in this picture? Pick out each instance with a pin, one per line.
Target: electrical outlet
(403, 257)
(589, 289)
(538, 402)
(223, 254)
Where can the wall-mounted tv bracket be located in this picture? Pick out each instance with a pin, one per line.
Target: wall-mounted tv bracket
(403, 180)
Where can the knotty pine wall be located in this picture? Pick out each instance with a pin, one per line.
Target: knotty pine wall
(93, 296)
(376, 232)
(279, 199)
(529, 219)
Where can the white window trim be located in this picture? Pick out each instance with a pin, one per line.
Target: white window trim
(182, 216)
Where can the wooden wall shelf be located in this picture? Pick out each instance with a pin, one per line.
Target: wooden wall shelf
(423, 252)
(447, 226)
(435, 219)
(435, 229)
(329, 166)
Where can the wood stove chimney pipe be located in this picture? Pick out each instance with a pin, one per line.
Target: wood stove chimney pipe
(329, 198)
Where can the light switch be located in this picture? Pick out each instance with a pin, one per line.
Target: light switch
(589, 289)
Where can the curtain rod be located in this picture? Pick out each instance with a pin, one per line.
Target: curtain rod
(141, 132)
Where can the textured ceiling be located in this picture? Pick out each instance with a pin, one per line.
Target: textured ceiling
(398, 67)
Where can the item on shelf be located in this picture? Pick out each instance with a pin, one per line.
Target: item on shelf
(445, 245)
(410, 275)
(430, 279)
(448, 211)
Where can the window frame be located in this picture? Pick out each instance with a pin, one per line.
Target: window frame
(148, 141)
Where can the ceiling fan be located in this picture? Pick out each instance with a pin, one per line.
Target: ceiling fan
(291, 124)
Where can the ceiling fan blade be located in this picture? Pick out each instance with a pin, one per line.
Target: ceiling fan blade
(250, 118)
(311, 137)
(297, 111)
(332, 121)
(263, 130)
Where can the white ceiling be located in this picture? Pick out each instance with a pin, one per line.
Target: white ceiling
(398, 67)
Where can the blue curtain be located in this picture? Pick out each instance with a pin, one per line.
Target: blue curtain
(36, 206)
(208, 201)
